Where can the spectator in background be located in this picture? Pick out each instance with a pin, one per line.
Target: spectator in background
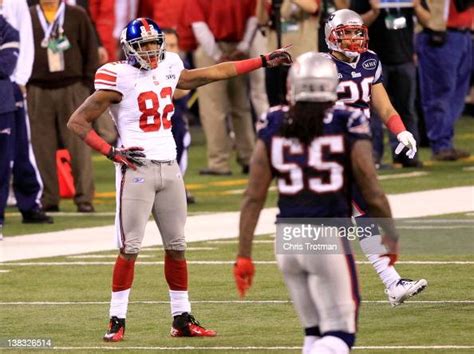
(65, 63)
(9, 48)
(224, 30)
(101, 11)
(27, 183)
(327, 8)
(180, 127)
(299, 27)
(125, 11)
(391, 33)
(444, 49)
(258, 90)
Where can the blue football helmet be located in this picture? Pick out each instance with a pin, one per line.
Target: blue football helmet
(137, 33)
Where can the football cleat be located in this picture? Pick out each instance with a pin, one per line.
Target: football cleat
(404, 289)
(116, 330)
(185, 325)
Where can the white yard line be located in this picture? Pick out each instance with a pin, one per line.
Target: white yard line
(216, 226)
(187, 249)
(99, 256)
(232, 348)
(217, 302)
(382, 177)
(216, 263)
(230, 242)
(69, 213)
(403, 175)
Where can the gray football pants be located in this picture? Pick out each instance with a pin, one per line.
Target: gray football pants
(323, 289)
(156, 188)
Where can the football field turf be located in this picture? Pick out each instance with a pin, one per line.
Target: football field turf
(66, 299)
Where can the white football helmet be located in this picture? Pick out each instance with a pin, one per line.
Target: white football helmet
(312, 78)
(345, 32)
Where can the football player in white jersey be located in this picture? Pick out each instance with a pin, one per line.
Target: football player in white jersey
(139, 94)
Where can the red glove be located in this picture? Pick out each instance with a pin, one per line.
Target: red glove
(244, 271)
(131, 157)
(392, 248)
(277, 57)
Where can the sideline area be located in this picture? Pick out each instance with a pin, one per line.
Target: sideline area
(216, 226)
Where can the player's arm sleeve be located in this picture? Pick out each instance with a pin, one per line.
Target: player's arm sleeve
(106, 78)
(27, 46)
(378, 78)
(9, 48)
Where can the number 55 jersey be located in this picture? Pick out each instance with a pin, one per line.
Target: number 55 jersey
(143, 117)
(314, 181)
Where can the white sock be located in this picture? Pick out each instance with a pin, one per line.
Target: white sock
(308, 343)
(329, 345)
(179, 302)
(119, 303)
(387, 274)
(373, 248)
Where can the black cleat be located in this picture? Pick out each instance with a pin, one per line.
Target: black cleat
(185, 325)
(36, 216)
(116, 330)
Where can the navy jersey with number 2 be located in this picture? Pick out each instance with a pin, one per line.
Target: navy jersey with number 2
(356, 80)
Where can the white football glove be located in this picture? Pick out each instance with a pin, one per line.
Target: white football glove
(407, 140)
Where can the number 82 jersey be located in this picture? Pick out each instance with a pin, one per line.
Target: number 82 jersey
(143, 116)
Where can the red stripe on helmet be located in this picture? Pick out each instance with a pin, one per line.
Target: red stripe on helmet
(145, 23)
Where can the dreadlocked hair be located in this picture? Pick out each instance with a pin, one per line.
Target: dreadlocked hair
(304, 121)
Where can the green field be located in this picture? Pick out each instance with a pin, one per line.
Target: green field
(224, 193)
(79, 292)
(66, 298)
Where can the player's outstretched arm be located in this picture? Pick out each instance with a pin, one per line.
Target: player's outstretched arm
(252, 203)
(81, 124)
(190, 79)
(384, 108)
(366, 178)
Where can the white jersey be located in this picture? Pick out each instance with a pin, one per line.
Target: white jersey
(143, 117)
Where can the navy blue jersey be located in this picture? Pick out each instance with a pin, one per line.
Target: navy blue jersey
(356, 80)
(9, 49)
(314, 181)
